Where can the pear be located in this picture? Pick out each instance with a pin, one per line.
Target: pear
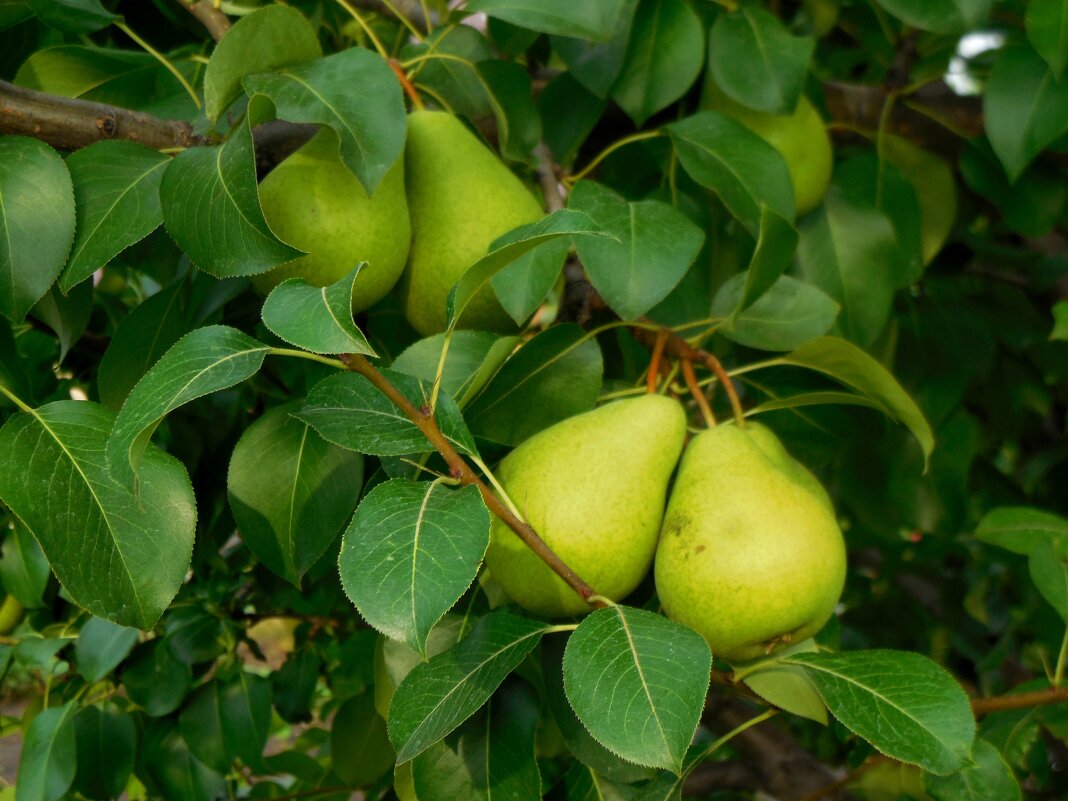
(461, 197)
(801, 138)
(750, 554)
(593, 486)
(313, 202)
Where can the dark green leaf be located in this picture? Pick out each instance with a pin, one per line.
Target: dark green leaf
(202, 362)
(664, 58)
(291, 491)
(454, 76)
(314, 318)
(269, 38)
(47, 765)
(940, 16)
(523, 285)
(73, 16)
(901, 702)
(1046, 22)
(596, 65)
(67, 316)
(101, 647)
(594, 21)
(1021, 529)
(638, 682)
(120, 557)
(228, 719)
(359, 746)
(518, 125)
(774, 251)
(788, 315)
(412, 549)
(1050, 574)
(293, 687)
(439, 695)
(569, 112)
(988, 778)
(155, 680)
(170, 764)
(24, 571)
(106, 742)
(370, 124)
(116, 192)
(757, 62)
(36, 222)
(555, 375)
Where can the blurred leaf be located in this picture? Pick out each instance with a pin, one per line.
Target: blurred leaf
(37, 225)
(73, 16)
(1024, 107)
(293, 686)
(940, 16)
(101, 646)
(348, 410)
(291, 491)
(638, 683)
(1050, 574)
(1021, 529)
(155, 680)
(67, 316)
(664, 57)
(170, 764)
(1046, 22)
(789, 314)
(106, 742)
(741, 168)
(269, 38)
(472, 359)
(47, 765)
(901, 702)
(1060, 321)
(757, 62)
(116, 193)
(227, 719)
(411, 550)
(555, 375)
(318, 319)
(120, 557)
(360, 751)
(439, 695)
(24, 571)
(594, 21)
(656, 246)
(988, 778)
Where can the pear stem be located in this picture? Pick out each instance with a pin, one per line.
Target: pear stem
(697, 392)
(409, 88)
(460, 470)
(654, 363)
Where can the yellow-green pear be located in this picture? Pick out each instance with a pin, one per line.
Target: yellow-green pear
(936, 191)
(801, 138)
(461, 198)
(593, 486)
(750, 554)
(313, 202)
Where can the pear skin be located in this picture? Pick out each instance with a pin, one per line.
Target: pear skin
(461, 198)
(801, 138)
(313, 202)
(750, 554)
(593, 486)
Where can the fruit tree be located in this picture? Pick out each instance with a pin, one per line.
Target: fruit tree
(518, 399)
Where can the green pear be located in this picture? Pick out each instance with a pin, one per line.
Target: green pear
(313, 202)
(593, 486)
(750, 554)
(801, 138)
(461, 197)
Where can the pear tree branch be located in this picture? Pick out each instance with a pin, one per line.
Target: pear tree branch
(212, 18)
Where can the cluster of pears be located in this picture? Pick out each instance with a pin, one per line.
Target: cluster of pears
(748, 552)
(433, 215)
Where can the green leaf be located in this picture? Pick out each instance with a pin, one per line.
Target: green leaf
(73, 16)
(211, 207)
(789, 314)
(116, 193)
(1046, 22)
(904, 704)
(106, 743)
(47, 765)
(293, 687)
(120, 557)
(654, 246)
(370, 123)
(509, 90)
(454, 76)
(411, 550)
(349, 411)
(741, 168)
(814, 399)
(510, 247)
(203, 361)
(101, 646)
(139, 342)
(1060, 321)
(852, 254)
(36, 222)
(439, 695)
(555, 375)
(1049, 572)
(12, 366)
(269, 38)
(473, 357)
(526, 282)
(774, 251)
(155, 680)
(290, 491)
(596, 65)
(638, 682)
(786, 686)
(569, 113)
(664, 57)
(172, 768)
(988, 778)
(492, 758)
(1025, 108)
(227, 719)
(757, 62)
(24, 571)
(360, 752)
(1021, 529)
(67, 316)
(595, 21)
(940, 16)
(848, 364)
(314, 318)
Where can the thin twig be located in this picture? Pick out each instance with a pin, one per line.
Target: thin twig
(406, 84)
(697, 392)
(460, 470)
(653, 373)
(999, 703)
